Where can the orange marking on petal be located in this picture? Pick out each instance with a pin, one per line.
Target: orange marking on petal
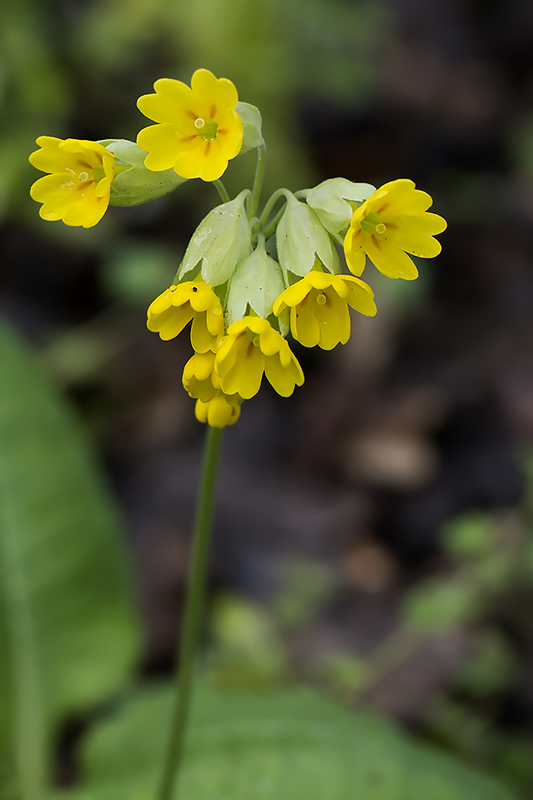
(382, 208)
(212, 110)
(188, 138)
(222, 131)
(376, 241)
(207, 148)
(192, 115)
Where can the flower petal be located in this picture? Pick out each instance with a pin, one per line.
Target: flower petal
(219, 92)
(390, 260)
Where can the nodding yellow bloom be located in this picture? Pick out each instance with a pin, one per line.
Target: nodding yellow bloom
(178, 305)
(319, 307)
(200, 379)
(198, 129)
(252, 347)
(219, 412)
(392, 223)
(78, 185)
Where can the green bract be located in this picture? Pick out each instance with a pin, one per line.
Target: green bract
(219, 242)
(329, 200)
(256, 283)
(133, 184)
(252, 135)
(301, 238)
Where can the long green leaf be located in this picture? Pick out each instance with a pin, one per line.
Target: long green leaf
(289, 745)
(68, 636)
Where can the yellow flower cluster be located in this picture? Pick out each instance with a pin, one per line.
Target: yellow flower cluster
(198, 131)
(241, 301)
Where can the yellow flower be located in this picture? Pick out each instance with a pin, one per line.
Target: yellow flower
(78, 185)
(252, 347)
(319, 307)
(175, 307)
(199, 129)
(200, 379)
(390, 224)
(218, 412)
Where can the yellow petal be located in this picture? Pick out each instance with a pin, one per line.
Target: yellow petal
(360, 296)
(283, 379)
(201, 339)
(219, 92)
(355, 255)
(169, 104)
(304, 324)
(334, 321)
(390, 260)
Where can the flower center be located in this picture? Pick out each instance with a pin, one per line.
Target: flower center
(321, 299)
(83, 176)
(373, 224)
(207, 130)
(255, 341)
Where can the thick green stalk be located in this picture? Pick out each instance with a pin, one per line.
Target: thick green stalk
(193, 615)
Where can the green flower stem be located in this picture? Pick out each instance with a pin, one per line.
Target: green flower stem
(258, 181)
(193, 615)
(223, 192)
(271, 228)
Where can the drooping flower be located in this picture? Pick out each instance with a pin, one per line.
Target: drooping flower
(200, 379)
(391, 224)
(193, 300)
(252, 347)
(198, 129)
(78, 185)
(219, 412)
(319, 307)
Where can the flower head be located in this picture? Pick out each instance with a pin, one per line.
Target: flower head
(252, 347)
(392, 223)
(319, 307)
(198, 129)
(178, 305)
(219, 412)
(78, 185)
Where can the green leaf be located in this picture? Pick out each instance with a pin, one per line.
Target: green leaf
(290, 745)
(67, 633)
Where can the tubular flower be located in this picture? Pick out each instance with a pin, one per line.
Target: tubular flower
(178, 305)
(319, 307)
(252, 347)
(392, 223)
(218, 412)
(200, 379)
(78, 185)
(198, 129)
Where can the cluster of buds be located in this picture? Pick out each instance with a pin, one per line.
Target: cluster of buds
(247, 279)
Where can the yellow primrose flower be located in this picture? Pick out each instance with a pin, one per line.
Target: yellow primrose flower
(198, 129)
(392, 223)
(319, 307)
(218, 412)
(78, 185)
(175, 307)
(252, 347)
(200, 379)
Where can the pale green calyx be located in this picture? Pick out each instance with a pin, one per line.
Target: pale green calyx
(301, 238)
(219, 242)
(133, 184)
(330, 201)
(255, 285)
(252, 135)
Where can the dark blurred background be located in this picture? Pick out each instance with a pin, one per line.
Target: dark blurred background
(373, 532)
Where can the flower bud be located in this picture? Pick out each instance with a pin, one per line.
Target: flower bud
(251, 119)
(256, 283)
(219, 242)
(329, 200)
(301, 238)
(133, 184)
